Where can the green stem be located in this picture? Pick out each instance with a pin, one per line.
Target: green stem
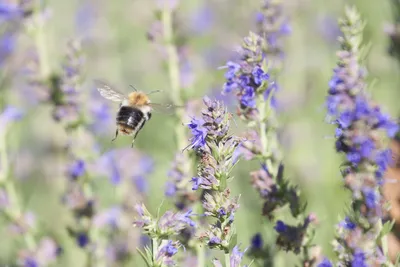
(14, 211)
(41, 45)
(174, 76)
(200, 255)
(265, 148)
(227, 260)
(154, 245)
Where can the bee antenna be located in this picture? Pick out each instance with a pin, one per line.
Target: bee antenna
(155, 91)
(133, 87)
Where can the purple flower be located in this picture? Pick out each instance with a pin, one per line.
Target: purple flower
(170, 189)
(257, 242)
(359, 121)
(359, 259)
(214, 241)
(165, 253)
(348, 224)
(280, 227)
(199, 133)
(10, 114)
(202, 19)
(236, 257)
(325, 263)
(141, 184)
(7, 46)
(259, 75)
(82, 239)
(168, 224)
(197, 181)
(31, 262)
(77, 169)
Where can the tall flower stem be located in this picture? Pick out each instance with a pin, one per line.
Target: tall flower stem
(14, 211)
(227, 260)
(154, 245)
(177, 99)
(40, 39)
(200, 255)
(174, 75)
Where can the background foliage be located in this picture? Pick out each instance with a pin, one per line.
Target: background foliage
(117, 51)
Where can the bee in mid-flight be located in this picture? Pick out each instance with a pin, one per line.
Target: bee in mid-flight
(134, 109)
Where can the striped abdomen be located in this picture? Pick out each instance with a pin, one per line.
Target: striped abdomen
(131, 120)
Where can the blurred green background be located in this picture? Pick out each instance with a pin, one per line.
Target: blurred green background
(118, 51)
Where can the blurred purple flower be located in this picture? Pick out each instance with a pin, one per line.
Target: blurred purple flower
(84, 17)
(325, 263)
(9, 10)
(328, 28)
(257, 242)
(236, 257)
(101, 115)
(165, 253)
(141, 184)
(82, 239)
(67, 99)
(108, 217)
(202, 19)
(77, 169)
(7, 46)
(362, 127)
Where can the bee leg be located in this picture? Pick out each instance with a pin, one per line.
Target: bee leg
(116, 134)
(132, 143)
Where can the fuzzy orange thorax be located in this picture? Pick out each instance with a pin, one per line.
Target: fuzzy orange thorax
(138, 99)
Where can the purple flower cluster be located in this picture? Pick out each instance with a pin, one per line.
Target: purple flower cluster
(12, 15)
(222, 207)
(215, 147)
(248, 78)
(211, 141)
(115, 221)
(65, 92)
(169, 224)
(179, 184)
(273, 25)
(235, 259)
(161, 231)
(361, 129)
(253, 78)
(21, 223)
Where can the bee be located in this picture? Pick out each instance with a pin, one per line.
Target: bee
(135, 109)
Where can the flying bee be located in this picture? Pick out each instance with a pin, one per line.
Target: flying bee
(134, 109)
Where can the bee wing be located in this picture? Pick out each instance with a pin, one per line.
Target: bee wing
(164, 108)
(108, 92)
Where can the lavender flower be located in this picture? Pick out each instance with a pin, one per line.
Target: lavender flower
(273, 25)
(253, 78)
(234, 260)
(167, 250)
(361, 126)
(44, 255)
(215, 147)
(161, 230)
(21, 223)
(65, 95)
(167, 225)
(169, 38)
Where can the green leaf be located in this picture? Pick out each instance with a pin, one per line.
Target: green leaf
(387, 227)
(146, 259)
(232, 241)
(397, 262)
(222, 182)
